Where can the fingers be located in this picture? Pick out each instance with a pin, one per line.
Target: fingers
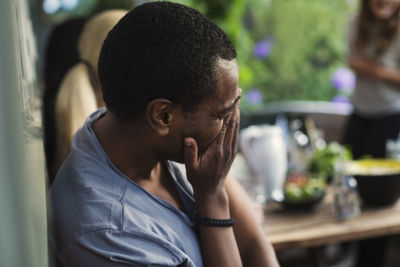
(231, 134)
(190, 153)
(219, 140)
(235, 139)
(230, 124)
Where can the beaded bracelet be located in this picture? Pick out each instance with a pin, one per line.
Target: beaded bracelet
(200, 220)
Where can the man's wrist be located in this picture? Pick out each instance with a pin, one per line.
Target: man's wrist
(204, 221)
(213, 206)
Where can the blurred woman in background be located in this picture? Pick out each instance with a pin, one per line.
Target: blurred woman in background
(374, 56)
(80, 92)
(61, 55)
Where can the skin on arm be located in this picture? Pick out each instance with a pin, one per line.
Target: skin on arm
(255, 250)
(371, 69)
(207, 173)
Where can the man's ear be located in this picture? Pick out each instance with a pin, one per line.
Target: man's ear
(159, 115)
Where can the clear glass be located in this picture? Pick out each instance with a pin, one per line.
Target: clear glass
(346, 204)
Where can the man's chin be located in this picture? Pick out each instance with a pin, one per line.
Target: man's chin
(178, 158)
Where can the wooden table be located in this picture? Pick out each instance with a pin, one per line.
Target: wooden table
(288, 228)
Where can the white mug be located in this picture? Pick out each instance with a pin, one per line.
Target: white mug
(265, 151)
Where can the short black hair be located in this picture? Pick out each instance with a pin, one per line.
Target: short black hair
(161, 50)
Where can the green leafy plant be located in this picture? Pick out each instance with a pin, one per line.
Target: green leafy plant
(323, 161)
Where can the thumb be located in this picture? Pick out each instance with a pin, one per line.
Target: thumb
(190, 152)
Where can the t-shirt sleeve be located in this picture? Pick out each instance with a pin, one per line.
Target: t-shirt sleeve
(112, 248)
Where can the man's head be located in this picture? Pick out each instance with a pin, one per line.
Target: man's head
(161, 50)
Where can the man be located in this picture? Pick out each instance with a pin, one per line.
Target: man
(170, 83)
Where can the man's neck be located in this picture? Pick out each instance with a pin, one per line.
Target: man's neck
(129, 151)
(133, 154)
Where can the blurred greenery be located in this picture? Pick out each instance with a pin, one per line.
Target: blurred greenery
(306, 40)
(300, 43)
(323, 161)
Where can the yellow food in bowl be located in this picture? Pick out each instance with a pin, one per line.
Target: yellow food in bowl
(373, 167)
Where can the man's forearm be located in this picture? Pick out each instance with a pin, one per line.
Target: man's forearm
(219, 247)
(255, 250)
(218, 244)
(259, 254)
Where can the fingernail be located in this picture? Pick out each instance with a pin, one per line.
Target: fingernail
(188, 143)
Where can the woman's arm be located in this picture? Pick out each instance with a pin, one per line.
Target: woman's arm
(255, 250)
(369, 68)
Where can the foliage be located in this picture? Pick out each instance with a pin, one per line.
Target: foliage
(287, 49)
(323, 161)
(308, 44)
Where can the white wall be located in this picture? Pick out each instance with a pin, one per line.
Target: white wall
(23, 227)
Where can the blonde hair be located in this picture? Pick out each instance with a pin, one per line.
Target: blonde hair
(78, 97)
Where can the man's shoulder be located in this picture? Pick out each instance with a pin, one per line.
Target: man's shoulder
(83, 200)
(86, 194)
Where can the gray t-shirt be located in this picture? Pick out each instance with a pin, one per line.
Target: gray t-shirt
(372, 97)
(103, 218)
